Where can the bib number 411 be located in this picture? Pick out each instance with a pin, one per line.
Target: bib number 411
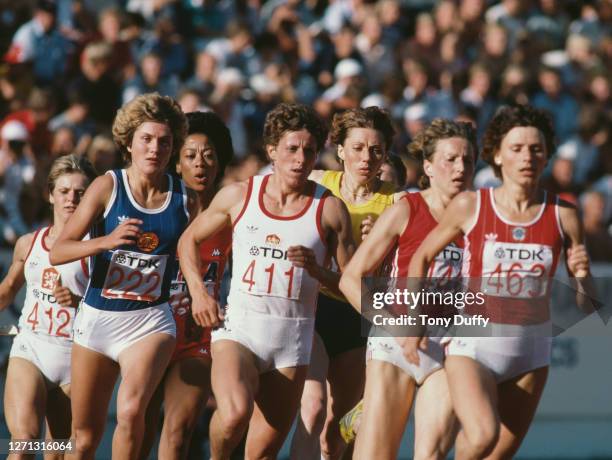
(272, 281)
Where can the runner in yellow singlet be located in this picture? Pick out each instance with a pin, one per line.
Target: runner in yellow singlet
(363, 137)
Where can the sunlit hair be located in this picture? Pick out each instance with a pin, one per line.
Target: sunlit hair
(370, 117)
(148, 107)
(424, 145)
(70, 164)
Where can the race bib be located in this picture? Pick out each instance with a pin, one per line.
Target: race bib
(446, 267)
(46, 316)
(516, 270)
(179, 292)
(134, 276)
(276, 279)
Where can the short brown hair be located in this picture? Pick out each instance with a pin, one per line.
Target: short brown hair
(508, 117)
(286, 117)
(149, 107)
(370, 117)
(425, 142)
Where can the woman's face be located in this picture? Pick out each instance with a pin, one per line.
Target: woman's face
(67, 194)
(294, 157)
(151, 147)
(363, 152)
(198, 162)
(452, 167)
(522, 156)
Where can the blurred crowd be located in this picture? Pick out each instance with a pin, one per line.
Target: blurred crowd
(68, 65)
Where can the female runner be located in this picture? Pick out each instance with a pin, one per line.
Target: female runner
(38, 377)
(447, 151)
(363, 137)
(514, 235)
(186, 386)
(135, 217)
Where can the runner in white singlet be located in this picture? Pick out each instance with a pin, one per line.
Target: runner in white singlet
(38, 377)
(284, 229)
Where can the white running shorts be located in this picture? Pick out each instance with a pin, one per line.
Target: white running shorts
(111, 332)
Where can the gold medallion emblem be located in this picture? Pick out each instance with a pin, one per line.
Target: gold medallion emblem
(147, 242)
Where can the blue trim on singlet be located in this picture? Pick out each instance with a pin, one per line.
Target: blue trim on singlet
(167, 223)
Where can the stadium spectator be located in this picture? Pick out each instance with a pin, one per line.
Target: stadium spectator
(204, 76)
(95, 83)
(597, 234)
(561, 104)
(16, 170)
(150, 79)
(40, 43)
(75, 118)
(109, 28)
(103, 154)
(377, 56)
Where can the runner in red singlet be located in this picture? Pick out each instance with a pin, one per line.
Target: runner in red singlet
(514, 235)
(447, 151)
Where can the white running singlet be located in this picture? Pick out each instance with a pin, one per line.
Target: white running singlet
(263, 280)
(41, 314)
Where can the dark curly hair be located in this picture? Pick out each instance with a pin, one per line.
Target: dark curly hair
(508, 117)
(425, 142)
(149, 107)
(370, 117)
(287, 117)
(212, 126)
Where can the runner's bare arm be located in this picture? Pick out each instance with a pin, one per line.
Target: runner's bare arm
(575, 250)
(70, 245)
(336, 223)
(457, 216)
(576, 256)
(15, 278)
(373, 250)
(222, 211)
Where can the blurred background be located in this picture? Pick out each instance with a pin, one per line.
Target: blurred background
(67, 65)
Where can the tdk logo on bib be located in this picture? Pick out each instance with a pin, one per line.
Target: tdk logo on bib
(137, 262)
(272, 253)
(452, 254)
(269, 249)
(522, 252)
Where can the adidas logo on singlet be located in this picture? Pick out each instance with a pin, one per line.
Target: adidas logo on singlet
(216, 252)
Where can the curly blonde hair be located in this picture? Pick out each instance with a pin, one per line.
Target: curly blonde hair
(149, 107)
(425, 142)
